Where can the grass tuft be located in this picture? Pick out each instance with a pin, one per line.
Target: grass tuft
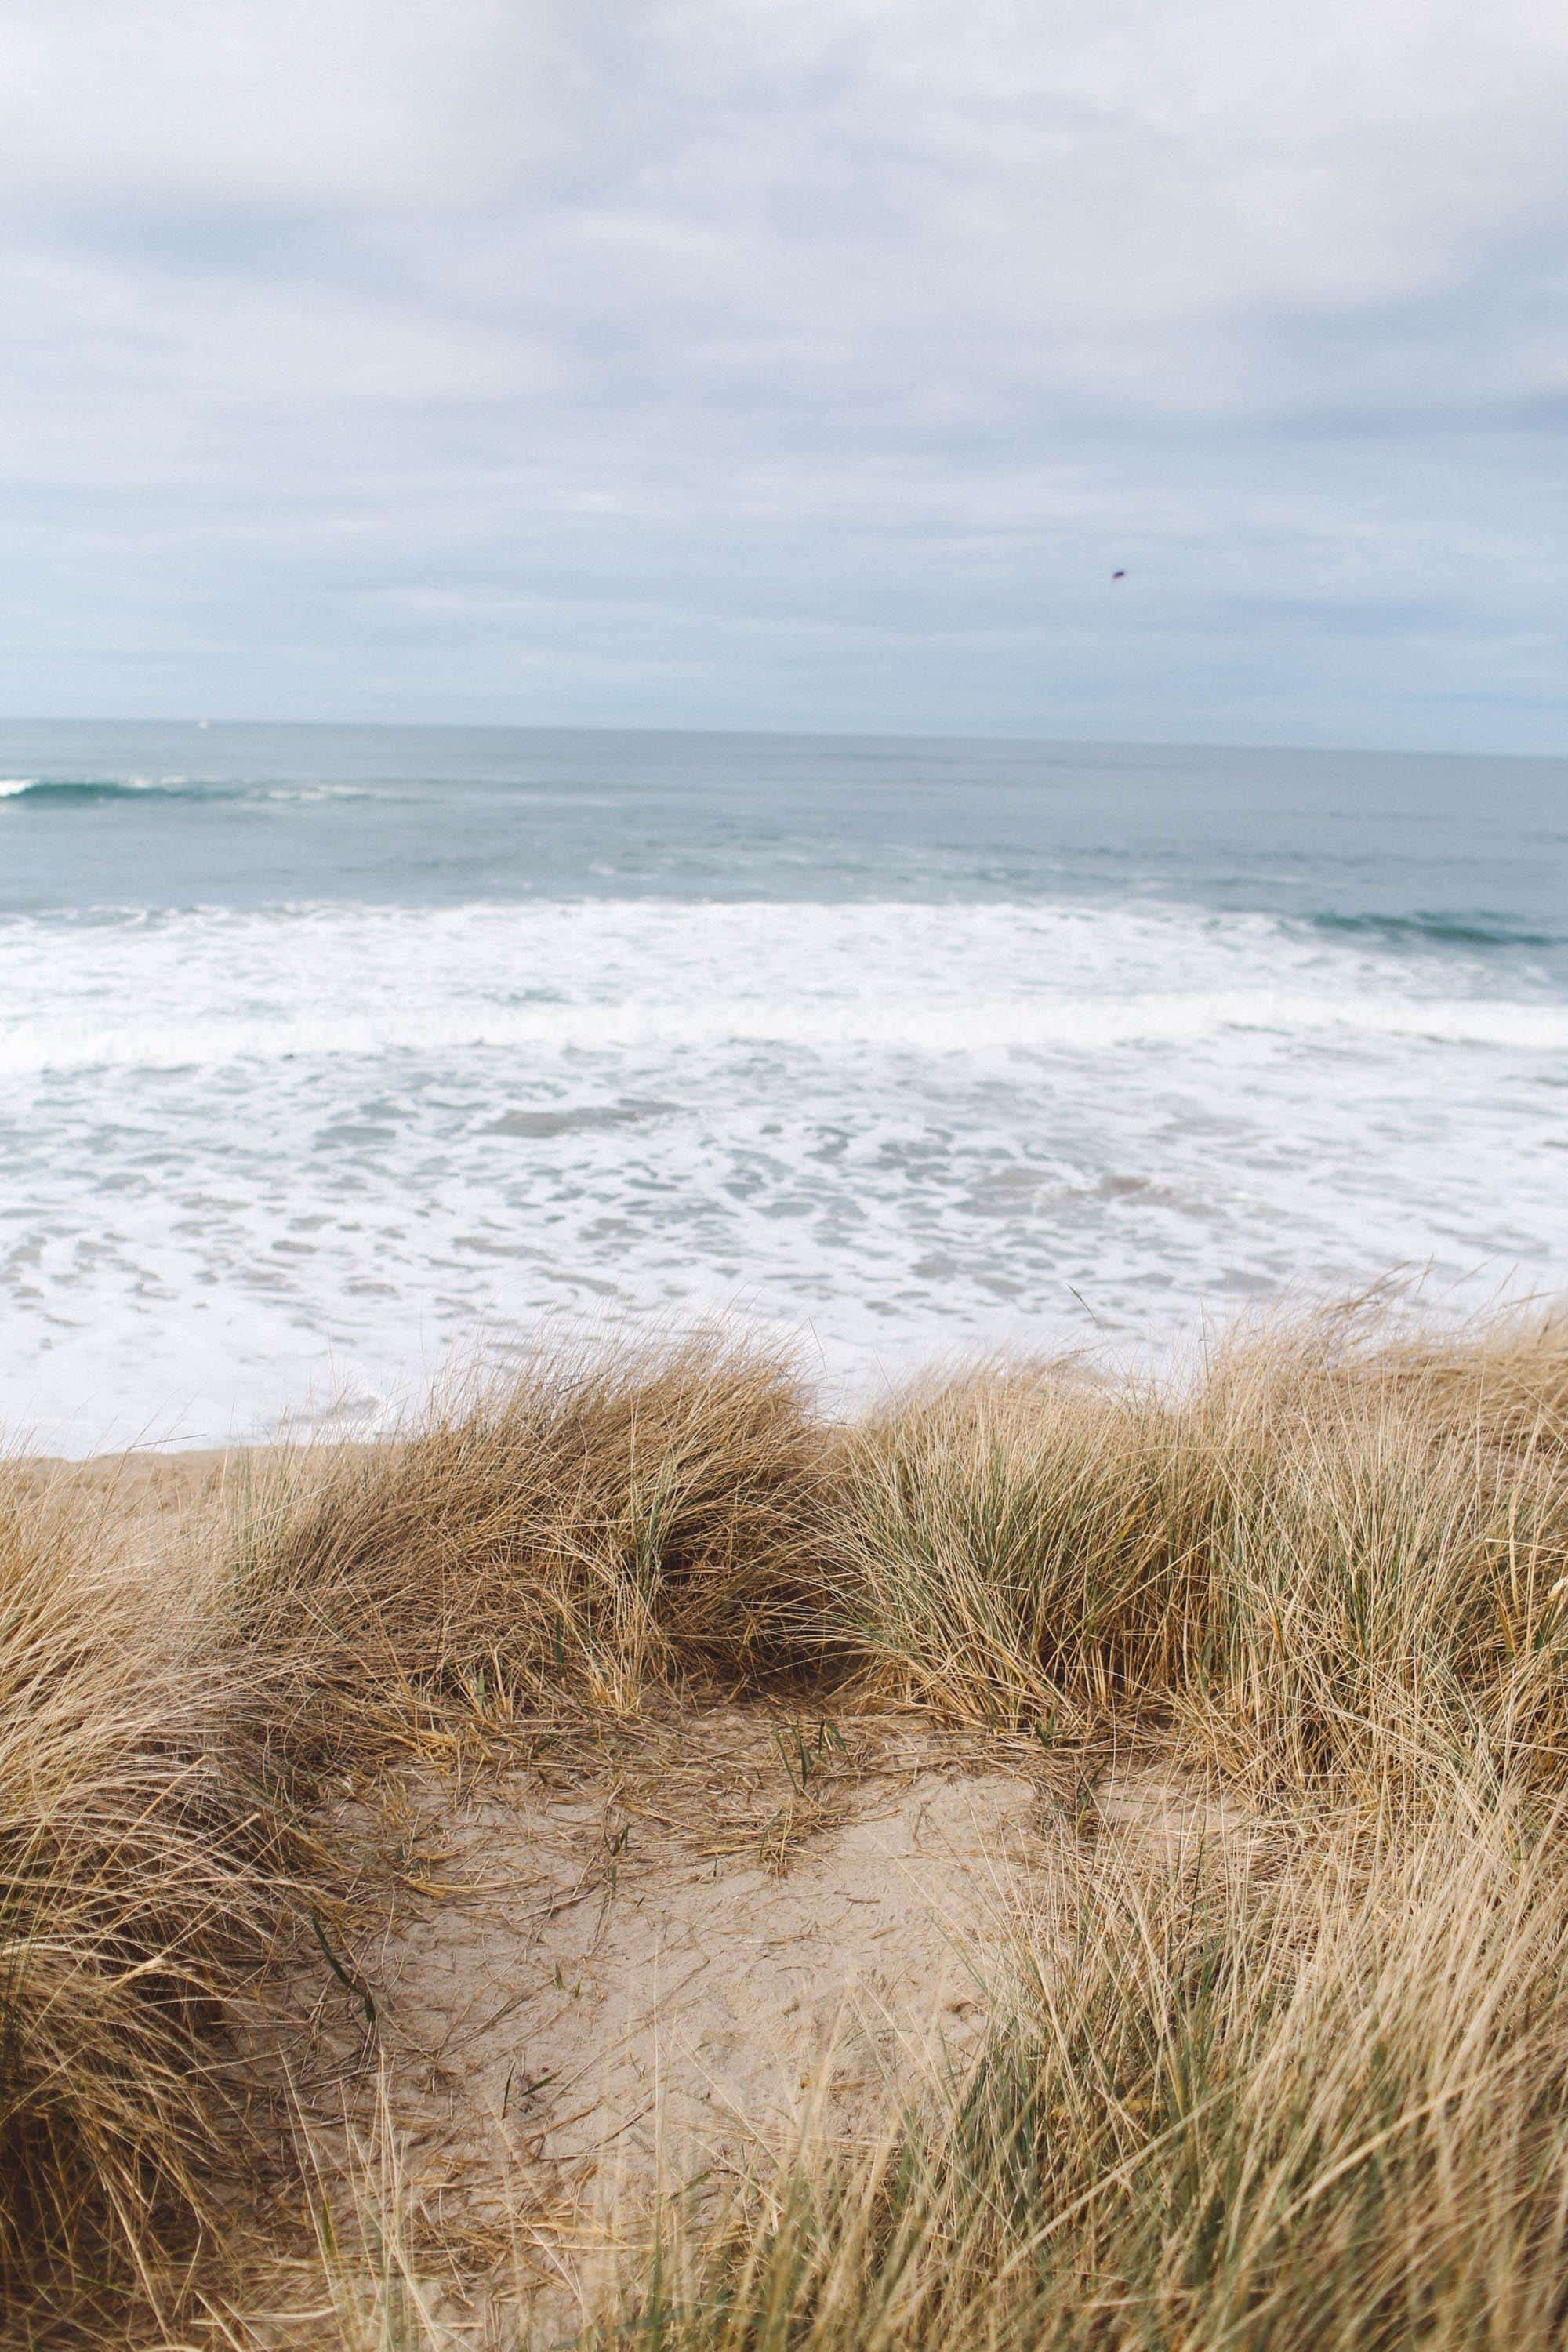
(593, 1528)
(1340, 1555)
(1306, 2086)
(135, 1900)
(1327, 2105)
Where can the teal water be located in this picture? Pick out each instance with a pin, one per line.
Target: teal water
(326, 1051)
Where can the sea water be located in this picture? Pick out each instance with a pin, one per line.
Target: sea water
(327, 1054)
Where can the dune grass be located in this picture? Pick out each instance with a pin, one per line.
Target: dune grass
(1324, 2105)
(588, 1531)
(1309, 2092)
(137, 1894)
(1340, 1554)
(1313, 2092)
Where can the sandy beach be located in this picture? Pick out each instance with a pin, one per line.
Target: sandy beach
(634, 1810)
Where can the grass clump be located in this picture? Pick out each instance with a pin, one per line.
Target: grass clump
(591, 1529)
(1338, 1555)
(1306, 2086)
(1323, 2105)
(134, 1903)
(1008, 1551)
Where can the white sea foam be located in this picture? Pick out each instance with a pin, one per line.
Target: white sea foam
(1000, 1024)
(252, 1153)
(216, 986)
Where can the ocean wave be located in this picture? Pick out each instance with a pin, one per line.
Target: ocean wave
(78, 791)
(910, 1028)
(208, 987)
(83, 790)
(1440, 929)
(253, 1148)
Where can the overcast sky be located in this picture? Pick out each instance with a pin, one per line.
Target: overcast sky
(799, 363)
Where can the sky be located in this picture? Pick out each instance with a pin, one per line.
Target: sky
(790, 363)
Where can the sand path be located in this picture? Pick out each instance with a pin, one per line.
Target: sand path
(591, 1982)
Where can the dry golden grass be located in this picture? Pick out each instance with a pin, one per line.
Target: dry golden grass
(1309, 2089)
(591, 1529)
(1341, 1555)
(135, 1897)
(1308, 2092)
(1324, 2104)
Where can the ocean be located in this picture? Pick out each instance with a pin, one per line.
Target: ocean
(332, 1055)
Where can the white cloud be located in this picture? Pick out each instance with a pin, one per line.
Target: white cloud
(715, 297)
(302, 102)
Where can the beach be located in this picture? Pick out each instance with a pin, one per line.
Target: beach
(784, 1178)
(785, 1540)
(634, 1853)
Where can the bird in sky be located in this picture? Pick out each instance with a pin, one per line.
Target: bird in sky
(1118, 576)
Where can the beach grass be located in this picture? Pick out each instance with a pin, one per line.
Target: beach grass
(593, 1528)
(140, 1874)
(1338, 1555)
(1306, 2087)
(1322, 2101)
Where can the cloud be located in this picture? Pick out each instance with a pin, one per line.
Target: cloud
(787, 361)
(302, 104)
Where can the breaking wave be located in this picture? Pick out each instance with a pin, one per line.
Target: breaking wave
(556, 978)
